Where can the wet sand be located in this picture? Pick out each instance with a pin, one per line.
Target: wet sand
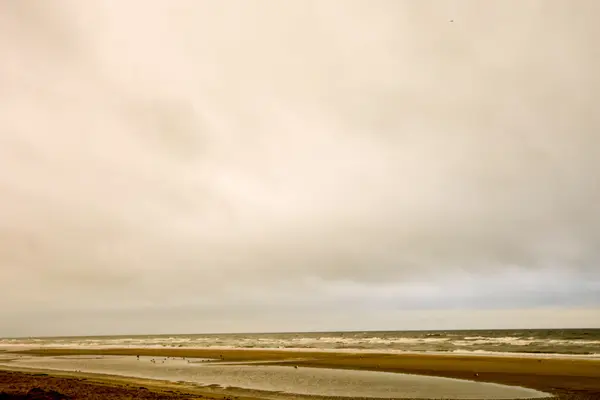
(569, 379)
(22, 385)
(288, 380)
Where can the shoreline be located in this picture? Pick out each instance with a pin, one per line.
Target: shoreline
(458, 353)
(170, 390)
(17, 381)
(565, 378)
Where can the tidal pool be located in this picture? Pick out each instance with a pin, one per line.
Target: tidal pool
(282, 379)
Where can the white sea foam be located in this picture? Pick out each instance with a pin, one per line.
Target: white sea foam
(351, 342)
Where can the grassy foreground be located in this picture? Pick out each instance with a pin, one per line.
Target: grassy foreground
(569, 379)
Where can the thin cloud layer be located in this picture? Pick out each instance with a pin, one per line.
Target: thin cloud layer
(303, 157)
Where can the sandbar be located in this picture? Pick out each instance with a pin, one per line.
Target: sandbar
(564, 378)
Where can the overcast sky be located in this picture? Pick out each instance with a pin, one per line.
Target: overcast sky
(259, 165)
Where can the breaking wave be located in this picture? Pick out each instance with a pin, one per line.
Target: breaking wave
(541, 342)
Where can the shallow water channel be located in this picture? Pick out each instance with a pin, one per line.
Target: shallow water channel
(283, 379)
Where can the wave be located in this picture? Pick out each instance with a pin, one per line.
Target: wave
(583, 343)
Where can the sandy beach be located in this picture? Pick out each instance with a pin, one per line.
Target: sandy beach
(565, 378)
(31, 385)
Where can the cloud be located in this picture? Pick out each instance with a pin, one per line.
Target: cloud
(192, 153)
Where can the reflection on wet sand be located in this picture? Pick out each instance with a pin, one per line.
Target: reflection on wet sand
(283, 379)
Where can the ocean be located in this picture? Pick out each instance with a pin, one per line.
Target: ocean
(583, 343)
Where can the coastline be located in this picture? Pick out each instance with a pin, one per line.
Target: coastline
(304, 350)
(18, 382)
(566, 378)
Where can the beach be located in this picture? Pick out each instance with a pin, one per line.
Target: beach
(299, 200)
(31, 385)
(562, 377)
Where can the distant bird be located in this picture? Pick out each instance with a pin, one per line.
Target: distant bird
(476, 374)
(451, 20)
(295, 366)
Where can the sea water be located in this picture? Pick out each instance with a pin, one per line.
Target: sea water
(565, 342)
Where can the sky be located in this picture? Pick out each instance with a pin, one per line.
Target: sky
(260, 165)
